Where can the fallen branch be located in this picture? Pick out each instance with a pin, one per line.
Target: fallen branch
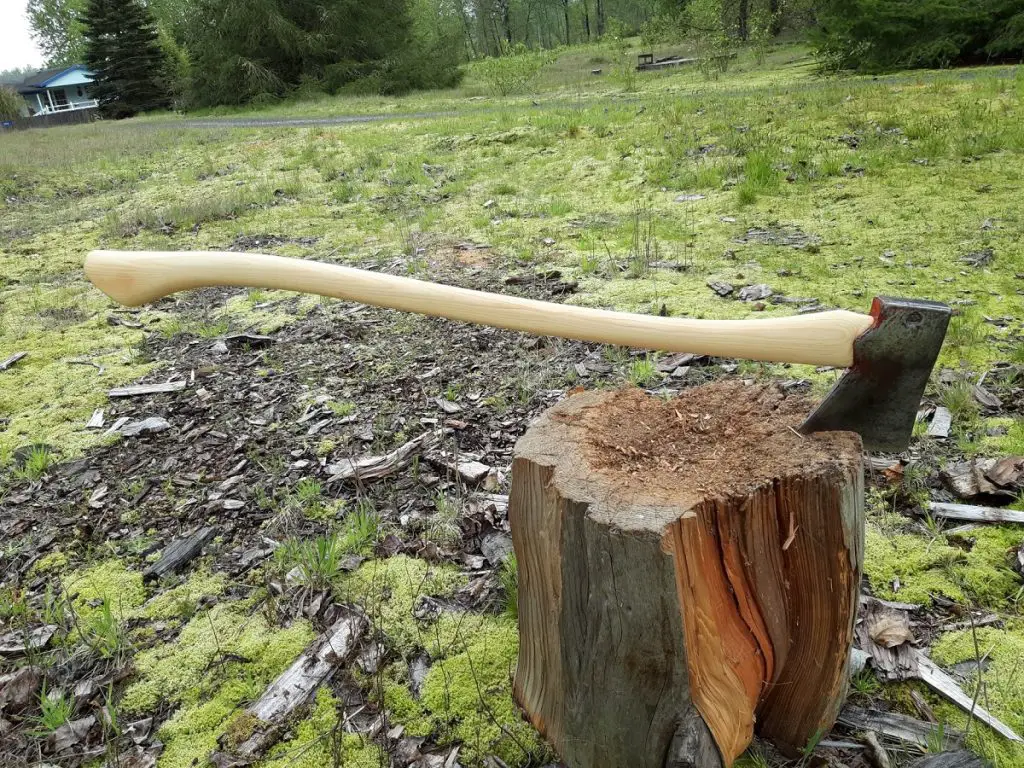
(10, 361)
(975, 514)
(940, 682)
(376, 467)
(895, 727)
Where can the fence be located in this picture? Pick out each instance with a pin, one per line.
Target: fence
(70, 117)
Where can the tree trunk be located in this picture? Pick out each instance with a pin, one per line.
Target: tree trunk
(775, 11)
(601, 18)
(565, 11)
(686, 569)
(744, 20)
(586, 18)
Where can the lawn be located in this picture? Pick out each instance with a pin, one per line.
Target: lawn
(640, 188)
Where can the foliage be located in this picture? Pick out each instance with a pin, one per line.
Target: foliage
(242, 51)
(55, 709)
(874, 35)
(514, 70)
(57, 28)
(126, 60)
(11, 104)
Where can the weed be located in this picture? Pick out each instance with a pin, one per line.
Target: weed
(56, 709)
(443, 527)
(35, 464)
(865, 683)
(589, 263)
(643, 371)
(309, 491)
(212, 330)
(958, 398)
(104, 634)
(361, 528)
(342, 408)
(937, 741)
(508, 578)
(318, 561)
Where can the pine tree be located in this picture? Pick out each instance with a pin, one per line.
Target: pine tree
(123, 52)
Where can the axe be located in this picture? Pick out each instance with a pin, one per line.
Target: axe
(889, 353)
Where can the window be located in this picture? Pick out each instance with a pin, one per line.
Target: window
(80, 94)
(60, 97)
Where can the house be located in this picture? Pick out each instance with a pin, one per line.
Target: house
(63, 89)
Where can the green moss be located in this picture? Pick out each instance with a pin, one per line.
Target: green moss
(222, 659)
(313, 747)
(108, 580)
(925, 568)
(181, 601)
(388, 591)
(468, 694)
(1003, 695)
(51, 562)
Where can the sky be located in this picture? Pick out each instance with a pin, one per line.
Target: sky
(17, 49)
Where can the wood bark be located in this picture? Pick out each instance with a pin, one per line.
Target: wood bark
(657, 627)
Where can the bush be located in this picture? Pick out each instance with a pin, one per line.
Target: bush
(514, 70)
(11, 104)
(877, 35)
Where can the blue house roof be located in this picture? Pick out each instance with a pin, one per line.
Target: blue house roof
(38, 81)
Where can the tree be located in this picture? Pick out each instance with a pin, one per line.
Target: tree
(123, 52)
(874, 35)
(57, 29)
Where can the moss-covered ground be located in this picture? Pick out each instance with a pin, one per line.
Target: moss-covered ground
(643, 189)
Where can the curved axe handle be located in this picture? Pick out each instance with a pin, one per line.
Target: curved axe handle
(139, 277)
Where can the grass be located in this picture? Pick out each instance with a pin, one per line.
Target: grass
(56, 709)
(892, 181)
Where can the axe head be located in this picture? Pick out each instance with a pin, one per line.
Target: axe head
(879, 395)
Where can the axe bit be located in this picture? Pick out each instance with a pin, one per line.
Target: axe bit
(889, 353)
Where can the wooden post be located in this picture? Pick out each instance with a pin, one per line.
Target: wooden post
(688, 572)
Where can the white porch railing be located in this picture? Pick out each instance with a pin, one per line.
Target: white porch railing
(69, 107)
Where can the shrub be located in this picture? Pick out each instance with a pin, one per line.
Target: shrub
(10, 103)
(514, 70)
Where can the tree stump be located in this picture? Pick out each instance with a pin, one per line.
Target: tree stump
(688, 573)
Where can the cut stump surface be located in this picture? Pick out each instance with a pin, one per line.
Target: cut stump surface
(689, 571)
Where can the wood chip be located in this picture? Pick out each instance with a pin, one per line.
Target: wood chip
(147, 389)
(986, 398)
(975, 514)
(942, 422)
(376, 467)
(96, 420)
(1008, 472)
(897, 728)
(179, 553)
(943, 684)
(21, 641)
(12, 360)
(149, 426)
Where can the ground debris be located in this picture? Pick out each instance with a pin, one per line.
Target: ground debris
(19, 642)
(959, 759)
(896, 728)
(18, 689)
(179, 553)
(149, 426)
(377, 467)
(980, 258)
(755, 292)
(791, 237)
(721, 287)
(975, 514)
(147, 389)
(12, 360)
(995, 479)
(942, 422)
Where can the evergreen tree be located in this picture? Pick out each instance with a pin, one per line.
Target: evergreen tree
(122, 50)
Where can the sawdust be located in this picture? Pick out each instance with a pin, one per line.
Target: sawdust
(717, 439)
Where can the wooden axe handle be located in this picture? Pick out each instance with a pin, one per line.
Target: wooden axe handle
(139, 277)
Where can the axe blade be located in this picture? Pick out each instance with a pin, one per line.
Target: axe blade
(879, 395)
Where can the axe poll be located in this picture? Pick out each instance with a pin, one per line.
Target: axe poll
(889, 352)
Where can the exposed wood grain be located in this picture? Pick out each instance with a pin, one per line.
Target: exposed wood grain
(961, 759)
(659, 632)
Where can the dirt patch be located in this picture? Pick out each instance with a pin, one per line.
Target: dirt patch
(711, 439)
